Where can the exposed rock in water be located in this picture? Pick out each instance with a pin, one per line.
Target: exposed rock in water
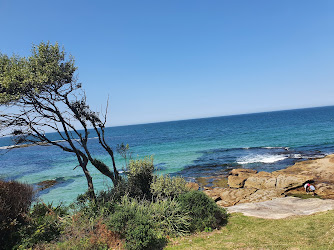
(46, 184)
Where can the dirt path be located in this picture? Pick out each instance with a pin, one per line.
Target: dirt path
(283, 207)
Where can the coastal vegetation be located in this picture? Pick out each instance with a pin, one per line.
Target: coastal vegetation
(143, 211)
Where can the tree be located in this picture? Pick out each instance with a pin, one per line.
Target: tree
(42, 93)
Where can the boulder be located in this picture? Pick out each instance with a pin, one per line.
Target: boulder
(263, 195)
(262, 180)
(288, 181)
(236, 181)
(238, 177)
(325, 190)
(229, 196)
(46, 184)
(243, 172)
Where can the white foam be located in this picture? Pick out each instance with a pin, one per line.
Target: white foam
(266, 158)
(286, 148)
(297, 156)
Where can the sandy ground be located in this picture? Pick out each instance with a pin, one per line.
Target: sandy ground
(283, 207)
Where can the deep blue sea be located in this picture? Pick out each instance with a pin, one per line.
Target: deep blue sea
(191, 148)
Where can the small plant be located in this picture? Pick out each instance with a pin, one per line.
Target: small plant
(124, 151)
(140, 176)
(207, 229)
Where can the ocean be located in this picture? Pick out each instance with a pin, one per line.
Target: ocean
(190, 148)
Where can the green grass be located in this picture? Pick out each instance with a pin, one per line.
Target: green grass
(302, 232)
(304, 196)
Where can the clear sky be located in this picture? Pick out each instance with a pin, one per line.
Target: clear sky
(170, 60)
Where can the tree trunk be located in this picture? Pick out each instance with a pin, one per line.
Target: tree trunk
(91, 192)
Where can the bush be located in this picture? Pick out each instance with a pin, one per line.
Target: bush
(166, 186)
(204, 211)
(44, 225)
(140, 176)
(85, 206)
(113, 194)
(15, 201)
(169, 217)
(101, 237)
(133, 221)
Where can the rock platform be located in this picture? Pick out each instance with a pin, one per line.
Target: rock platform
(280, 208)
(265, 191)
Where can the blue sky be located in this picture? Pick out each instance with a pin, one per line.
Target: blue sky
(171, 60)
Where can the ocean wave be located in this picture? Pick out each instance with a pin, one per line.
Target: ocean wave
(7, 147)
(262, 149)
(266, 158)
(285, 148)
(296, 156)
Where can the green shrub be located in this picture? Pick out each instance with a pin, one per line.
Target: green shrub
(166, 186)
(169, 217)
(85, 206)
(44, 225)
(113, 194)
(133, 221)
(204, 211)
(142, 235)
(140, 176)
(15, 201)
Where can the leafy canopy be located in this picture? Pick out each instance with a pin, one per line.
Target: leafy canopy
(46, 68)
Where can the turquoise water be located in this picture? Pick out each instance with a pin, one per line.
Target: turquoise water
(191, 148)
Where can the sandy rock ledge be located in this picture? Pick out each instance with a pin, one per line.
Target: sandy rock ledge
(249, 186)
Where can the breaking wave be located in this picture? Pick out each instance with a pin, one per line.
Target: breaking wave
(261, 159)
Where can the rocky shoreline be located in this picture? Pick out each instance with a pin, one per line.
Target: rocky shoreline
(249, 186)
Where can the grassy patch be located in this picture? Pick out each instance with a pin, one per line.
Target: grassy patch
(303, 196)
(304, 232)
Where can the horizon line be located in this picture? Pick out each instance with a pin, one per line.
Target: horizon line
(208, 117)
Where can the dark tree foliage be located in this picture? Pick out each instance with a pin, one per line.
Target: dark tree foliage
(15, 201)
(40, 93)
